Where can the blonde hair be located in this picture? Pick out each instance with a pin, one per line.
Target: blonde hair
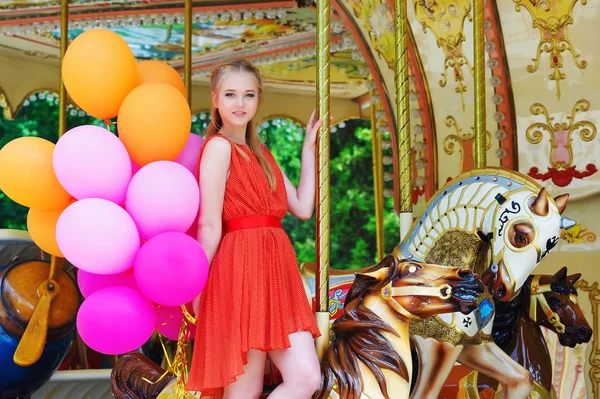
(252, 139)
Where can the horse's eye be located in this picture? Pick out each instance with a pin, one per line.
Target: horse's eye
(520, 235)
(554, 302)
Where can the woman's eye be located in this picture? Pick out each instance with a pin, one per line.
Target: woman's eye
(229, 95)
(250, 95)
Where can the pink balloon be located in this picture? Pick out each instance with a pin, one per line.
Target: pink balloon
(97, 236)
(91, 162)
(134, 167)
(190, 155)
(116, 320)
(169, 320)
(171, 269)
(90, 283)
(162, 196)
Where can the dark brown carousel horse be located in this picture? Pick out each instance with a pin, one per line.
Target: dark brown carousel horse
(545, 301)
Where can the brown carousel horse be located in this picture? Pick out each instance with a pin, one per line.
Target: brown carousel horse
(371, 338)
(370, 356)
(545, 301)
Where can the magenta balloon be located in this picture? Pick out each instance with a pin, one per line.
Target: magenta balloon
(171, 269)
(90, 283)
(162, 196)
(116, 320)
(97, 236)
(190, 155)
(169, 320)
(91, 162)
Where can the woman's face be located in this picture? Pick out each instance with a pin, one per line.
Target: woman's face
(237, 98)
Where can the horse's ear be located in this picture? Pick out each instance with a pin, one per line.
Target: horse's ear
(561, 202)
(539, 205)
(572, 279)
(378, 274)
(560, 275)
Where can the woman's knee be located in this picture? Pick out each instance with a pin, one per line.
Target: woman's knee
(304, 378)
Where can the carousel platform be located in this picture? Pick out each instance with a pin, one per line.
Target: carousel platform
(77, 384)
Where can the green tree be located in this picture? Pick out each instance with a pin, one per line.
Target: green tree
(352, 213)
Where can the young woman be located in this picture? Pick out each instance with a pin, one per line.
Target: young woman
(254, 304)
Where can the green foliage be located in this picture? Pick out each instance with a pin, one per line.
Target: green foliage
(352, 211)
(352, 207)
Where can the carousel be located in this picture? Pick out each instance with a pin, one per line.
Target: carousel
(482, 129)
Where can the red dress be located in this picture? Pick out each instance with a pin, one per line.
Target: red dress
(254, 297)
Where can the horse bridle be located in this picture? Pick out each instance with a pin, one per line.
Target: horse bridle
(537, 296)
(444, 292)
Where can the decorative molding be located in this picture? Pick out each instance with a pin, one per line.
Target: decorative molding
(502, 97)
(552, 19)
(577, 235)
(561, 169)
(446, 20)
(594, 296)
(465, 141)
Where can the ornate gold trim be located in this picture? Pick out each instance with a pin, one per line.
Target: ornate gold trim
(594, 296)
(461, 137)
(577, 235)
(586, 129)
(446, 19)
(552, 19)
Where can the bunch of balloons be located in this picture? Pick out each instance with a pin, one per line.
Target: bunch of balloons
(120, 209)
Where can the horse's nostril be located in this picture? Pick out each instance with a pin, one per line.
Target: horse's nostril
(465, 273)
(584, 333)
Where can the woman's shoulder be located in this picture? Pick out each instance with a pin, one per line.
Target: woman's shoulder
(217, 145)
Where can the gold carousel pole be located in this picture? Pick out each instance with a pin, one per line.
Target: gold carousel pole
(322, 245)
(62, 128)
(187, 34)
(479, 152)
(377, 181)
(403, 118)
(64, 43)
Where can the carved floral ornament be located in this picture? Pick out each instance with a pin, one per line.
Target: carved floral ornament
(465, 140)
(446, 19)
(561, 170)
(552, 17)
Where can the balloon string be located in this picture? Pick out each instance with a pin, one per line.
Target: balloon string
(169, 369)
(107, 123)
(180, 363)
(186, 314)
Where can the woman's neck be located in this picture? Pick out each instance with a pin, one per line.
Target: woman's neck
(237, 134)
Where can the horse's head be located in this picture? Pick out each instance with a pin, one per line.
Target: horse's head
(554, 305)
(419, 290)
(524, 228)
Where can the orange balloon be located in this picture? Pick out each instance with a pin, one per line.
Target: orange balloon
(42, 228)
(156, 71)
(27, 176)
(154, 123)
(99, 70)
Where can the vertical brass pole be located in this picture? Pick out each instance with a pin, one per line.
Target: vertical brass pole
(62, 128)
(322, 243)
(187, 32)
(62, 91)
(377, 181)
(479, 152)
(403, 117)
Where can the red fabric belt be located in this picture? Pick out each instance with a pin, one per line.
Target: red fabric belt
(251, 222)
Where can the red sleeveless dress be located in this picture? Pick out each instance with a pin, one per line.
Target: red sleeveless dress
(254, 297)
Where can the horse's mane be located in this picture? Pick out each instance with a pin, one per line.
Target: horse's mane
(359, 337)
(507, 315)
(127, 378)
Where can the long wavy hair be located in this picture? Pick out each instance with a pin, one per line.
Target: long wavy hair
(252, 140)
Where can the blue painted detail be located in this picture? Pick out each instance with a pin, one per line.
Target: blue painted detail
(23, 381)
(486, 309)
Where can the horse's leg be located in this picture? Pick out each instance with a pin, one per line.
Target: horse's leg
(490, 360)
(436, 360)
